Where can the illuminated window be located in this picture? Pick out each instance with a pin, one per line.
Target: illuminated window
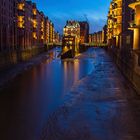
(42, 37)
(21, 21)
(34, 23)
(34, 11)
(34, 35)
(21, 6)
(42, 24)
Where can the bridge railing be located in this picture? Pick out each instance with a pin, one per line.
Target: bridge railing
(98, 44)
(54, 44)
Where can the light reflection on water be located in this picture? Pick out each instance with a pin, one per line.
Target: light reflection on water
(33, 95)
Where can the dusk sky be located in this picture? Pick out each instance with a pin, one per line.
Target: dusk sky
(60, 11)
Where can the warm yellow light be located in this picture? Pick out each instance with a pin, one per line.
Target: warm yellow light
(34, 23)
(114, 19)
(20, 18)
(42, 37)
(21, 21)
(42, 26)
(20, 6)
(34, 35)
(20, 25)
(65, 49)
(34, 12)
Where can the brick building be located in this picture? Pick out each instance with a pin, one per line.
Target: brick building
(71, 36)
(99, 38)
(124, 38)
(24, 31)
(114, 23)
(8, 25)
(47, 30)
(84, 32)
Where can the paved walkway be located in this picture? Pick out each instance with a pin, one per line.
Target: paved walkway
(102, 106)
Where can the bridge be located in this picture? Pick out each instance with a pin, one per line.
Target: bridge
(55, 44)
(92, 44)
(84, 44)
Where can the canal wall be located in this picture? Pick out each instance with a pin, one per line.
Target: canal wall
(129, 64)
(8, 59)
(83, 48)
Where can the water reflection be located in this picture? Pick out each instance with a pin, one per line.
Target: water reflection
(27, 101)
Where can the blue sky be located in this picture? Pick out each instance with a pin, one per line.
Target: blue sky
(61, 10)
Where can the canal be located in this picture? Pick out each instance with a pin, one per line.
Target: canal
(28, 100)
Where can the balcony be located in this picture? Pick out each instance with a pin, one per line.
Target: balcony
(134, 4)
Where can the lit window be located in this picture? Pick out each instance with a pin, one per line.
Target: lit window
(34, 12)
(34, 35)
(34, 23)
(21, 6)
(21, 21)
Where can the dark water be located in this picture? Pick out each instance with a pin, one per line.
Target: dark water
(29, 98)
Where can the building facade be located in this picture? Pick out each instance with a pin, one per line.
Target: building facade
(99, 38)
(72, 28)
(51, 32)
(47, 30)
(8, 33)
(114, 23)
(56, 37)
(24, 31)
(31, 26)
(125, 44)
(84, 32)
(135, 24)
(104, 34)
(34, 28)
(71, 36)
